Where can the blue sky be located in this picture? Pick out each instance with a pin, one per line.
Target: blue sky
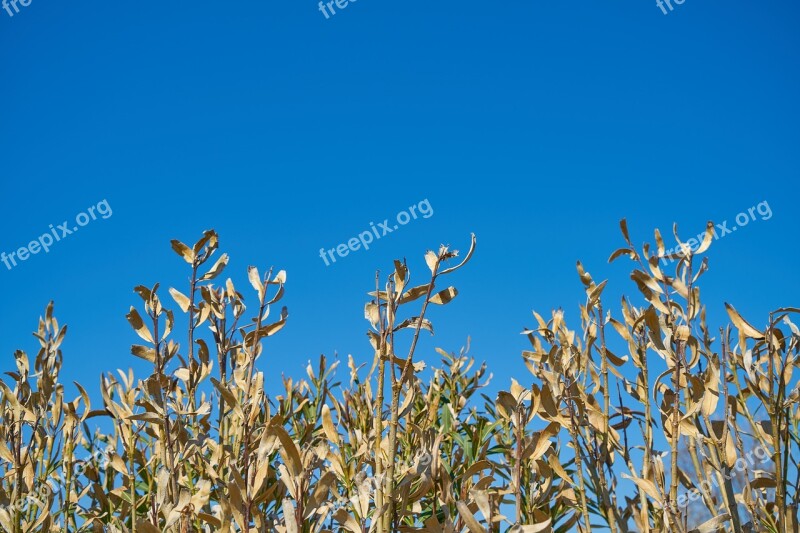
(536, 125)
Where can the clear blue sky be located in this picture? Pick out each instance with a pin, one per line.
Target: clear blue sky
(536, 125)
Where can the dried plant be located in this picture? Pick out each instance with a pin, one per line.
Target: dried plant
(644, 421)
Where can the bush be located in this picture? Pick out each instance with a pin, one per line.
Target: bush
(704, 426)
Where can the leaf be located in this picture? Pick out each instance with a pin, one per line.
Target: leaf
(444, 297)
(229, 398)
(742, 325)
(86, 402)
(647, 486)
(707, 238)
(586, 278)
(118, 464)
(543, 443)
(747, 363)
(400, 275)
(147, 417)
(144, 293)
(795, 330)
(347, 521)
(651, 319)
(272, 329)
(137, 323)
(712, 525)
(183, 251)
(431, 259)
(327, 425)
(466, 259)
(623, 225)
(255, 280)
(202, 351)
(711, 394)
(180, 299)
(506, 404)
(289, 516)
(372, 314)
(146, 527)
(288, 449)
(5, 454)
(763, 483)
(481, 499)
(413, 322)
(413, 294)
(217, 269)
(469, 519)
(148, 354)
(555, 464)
(210, 237)
(542, 520)
(212, 521)
(619, 253)
(659, 242)
(595, 293)
(169, 323)
(280, 278)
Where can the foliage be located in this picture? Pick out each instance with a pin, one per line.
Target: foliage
(198, 445)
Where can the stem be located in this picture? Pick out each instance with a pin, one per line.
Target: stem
(249, 407)
(518, 466)
(397, 386)
(192, 384)
(578, 462)
(169, 451)
(132, 453)
(378, 409)
(648, 434)
(610, 509)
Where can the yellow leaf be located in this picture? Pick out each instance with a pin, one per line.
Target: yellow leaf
(742, 325)
(136, 321)
(217, 269)
(469, 519)
(543, 443)
(445, 296)
(180, 299)
(229, 398)
(289, 451)
(148, 354)
(707, 238)
(183, 251)
(327, 425)
(647, 486)
(712, 525)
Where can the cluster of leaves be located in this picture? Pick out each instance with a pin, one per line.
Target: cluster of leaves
(198, 445)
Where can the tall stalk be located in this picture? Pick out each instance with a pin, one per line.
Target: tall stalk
(397, 386)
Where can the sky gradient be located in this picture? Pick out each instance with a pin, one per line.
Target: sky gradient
(535, 125)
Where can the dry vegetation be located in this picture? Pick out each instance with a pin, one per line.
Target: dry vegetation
(590, 439)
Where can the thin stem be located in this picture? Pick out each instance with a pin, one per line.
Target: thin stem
(396, 389)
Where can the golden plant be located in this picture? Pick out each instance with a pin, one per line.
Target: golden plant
(198, 445)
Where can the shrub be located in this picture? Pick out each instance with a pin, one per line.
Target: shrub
(703, 424)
